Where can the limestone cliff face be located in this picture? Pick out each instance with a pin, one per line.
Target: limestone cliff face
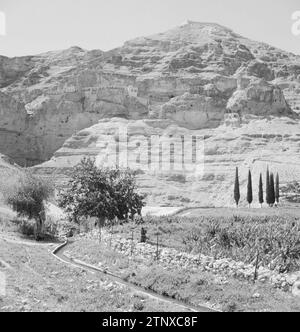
(191, 75)
(13, 122)
(259, 98)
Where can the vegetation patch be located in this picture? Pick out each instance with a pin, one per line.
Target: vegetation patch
(189, 286)
(271, 241)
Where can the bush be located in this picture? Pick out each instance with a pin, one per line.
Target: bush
(138, 306)
(27, 227)
(27, 197)
(51, 228)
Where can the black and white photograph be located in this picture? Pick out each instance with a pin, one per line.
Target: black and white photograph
(149, 159)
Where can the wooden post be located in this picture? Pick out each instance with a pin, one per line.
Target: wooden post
(101, 222)
(111, 232)
(100, 232)
(256, 267)
(132, 238)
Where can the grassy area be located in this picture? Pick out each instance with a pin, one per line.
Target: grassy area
(36, 281)
(227, 294)
(290, 211)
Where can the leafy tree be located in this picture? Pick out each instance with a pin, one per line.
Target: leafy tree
(237, 195)
(277, 189)
(101, 193)
(249, 189)
(268, 187)
(272, 190)
(27, 198)
(261, 191)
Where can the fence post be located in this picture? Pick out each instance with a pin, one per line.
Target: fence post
(132, 238)
(256, 267)
(111, 234)
(100, 233)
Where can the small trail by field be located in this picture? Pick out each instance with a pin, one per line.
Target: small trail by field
(37, 281)
(60, 254)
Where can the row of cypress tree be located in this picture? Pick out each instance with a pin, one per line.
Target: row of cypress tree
(272, 189)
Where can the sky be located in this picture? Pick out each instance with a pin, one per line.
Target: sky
(37, 26)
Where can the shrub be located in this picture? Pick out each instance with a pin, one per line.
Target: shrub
(27, 227)
(51, 228)
(27, 197)
(138, 306)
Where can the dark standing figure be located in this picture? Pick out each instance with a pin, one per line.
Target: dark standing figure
(143, 235)
(249, 189)
(237, 195)
(261, 191)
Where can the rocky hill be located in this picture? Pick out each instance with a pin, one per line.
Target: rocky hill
(202, 79)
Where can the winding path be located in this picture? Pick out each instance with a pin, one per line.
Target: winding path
(59, 254)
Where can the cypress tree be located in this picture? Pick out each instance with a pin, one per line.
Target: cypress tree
(249, 189)
(268, 187)
(277, 193)
(237, 195)
(272, 190)
(261, 191)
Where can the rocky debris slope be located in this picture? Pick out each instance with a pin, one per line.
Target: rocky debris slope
(192, 75)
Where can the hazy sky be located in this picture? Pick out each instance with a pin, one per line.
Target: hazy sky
(35, 26)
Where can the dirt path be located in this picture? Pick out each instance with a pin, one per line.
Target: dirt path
(58, 252)
(13, 240)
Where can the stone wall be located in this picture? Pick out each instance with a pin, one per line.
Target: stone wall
(172, 258)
